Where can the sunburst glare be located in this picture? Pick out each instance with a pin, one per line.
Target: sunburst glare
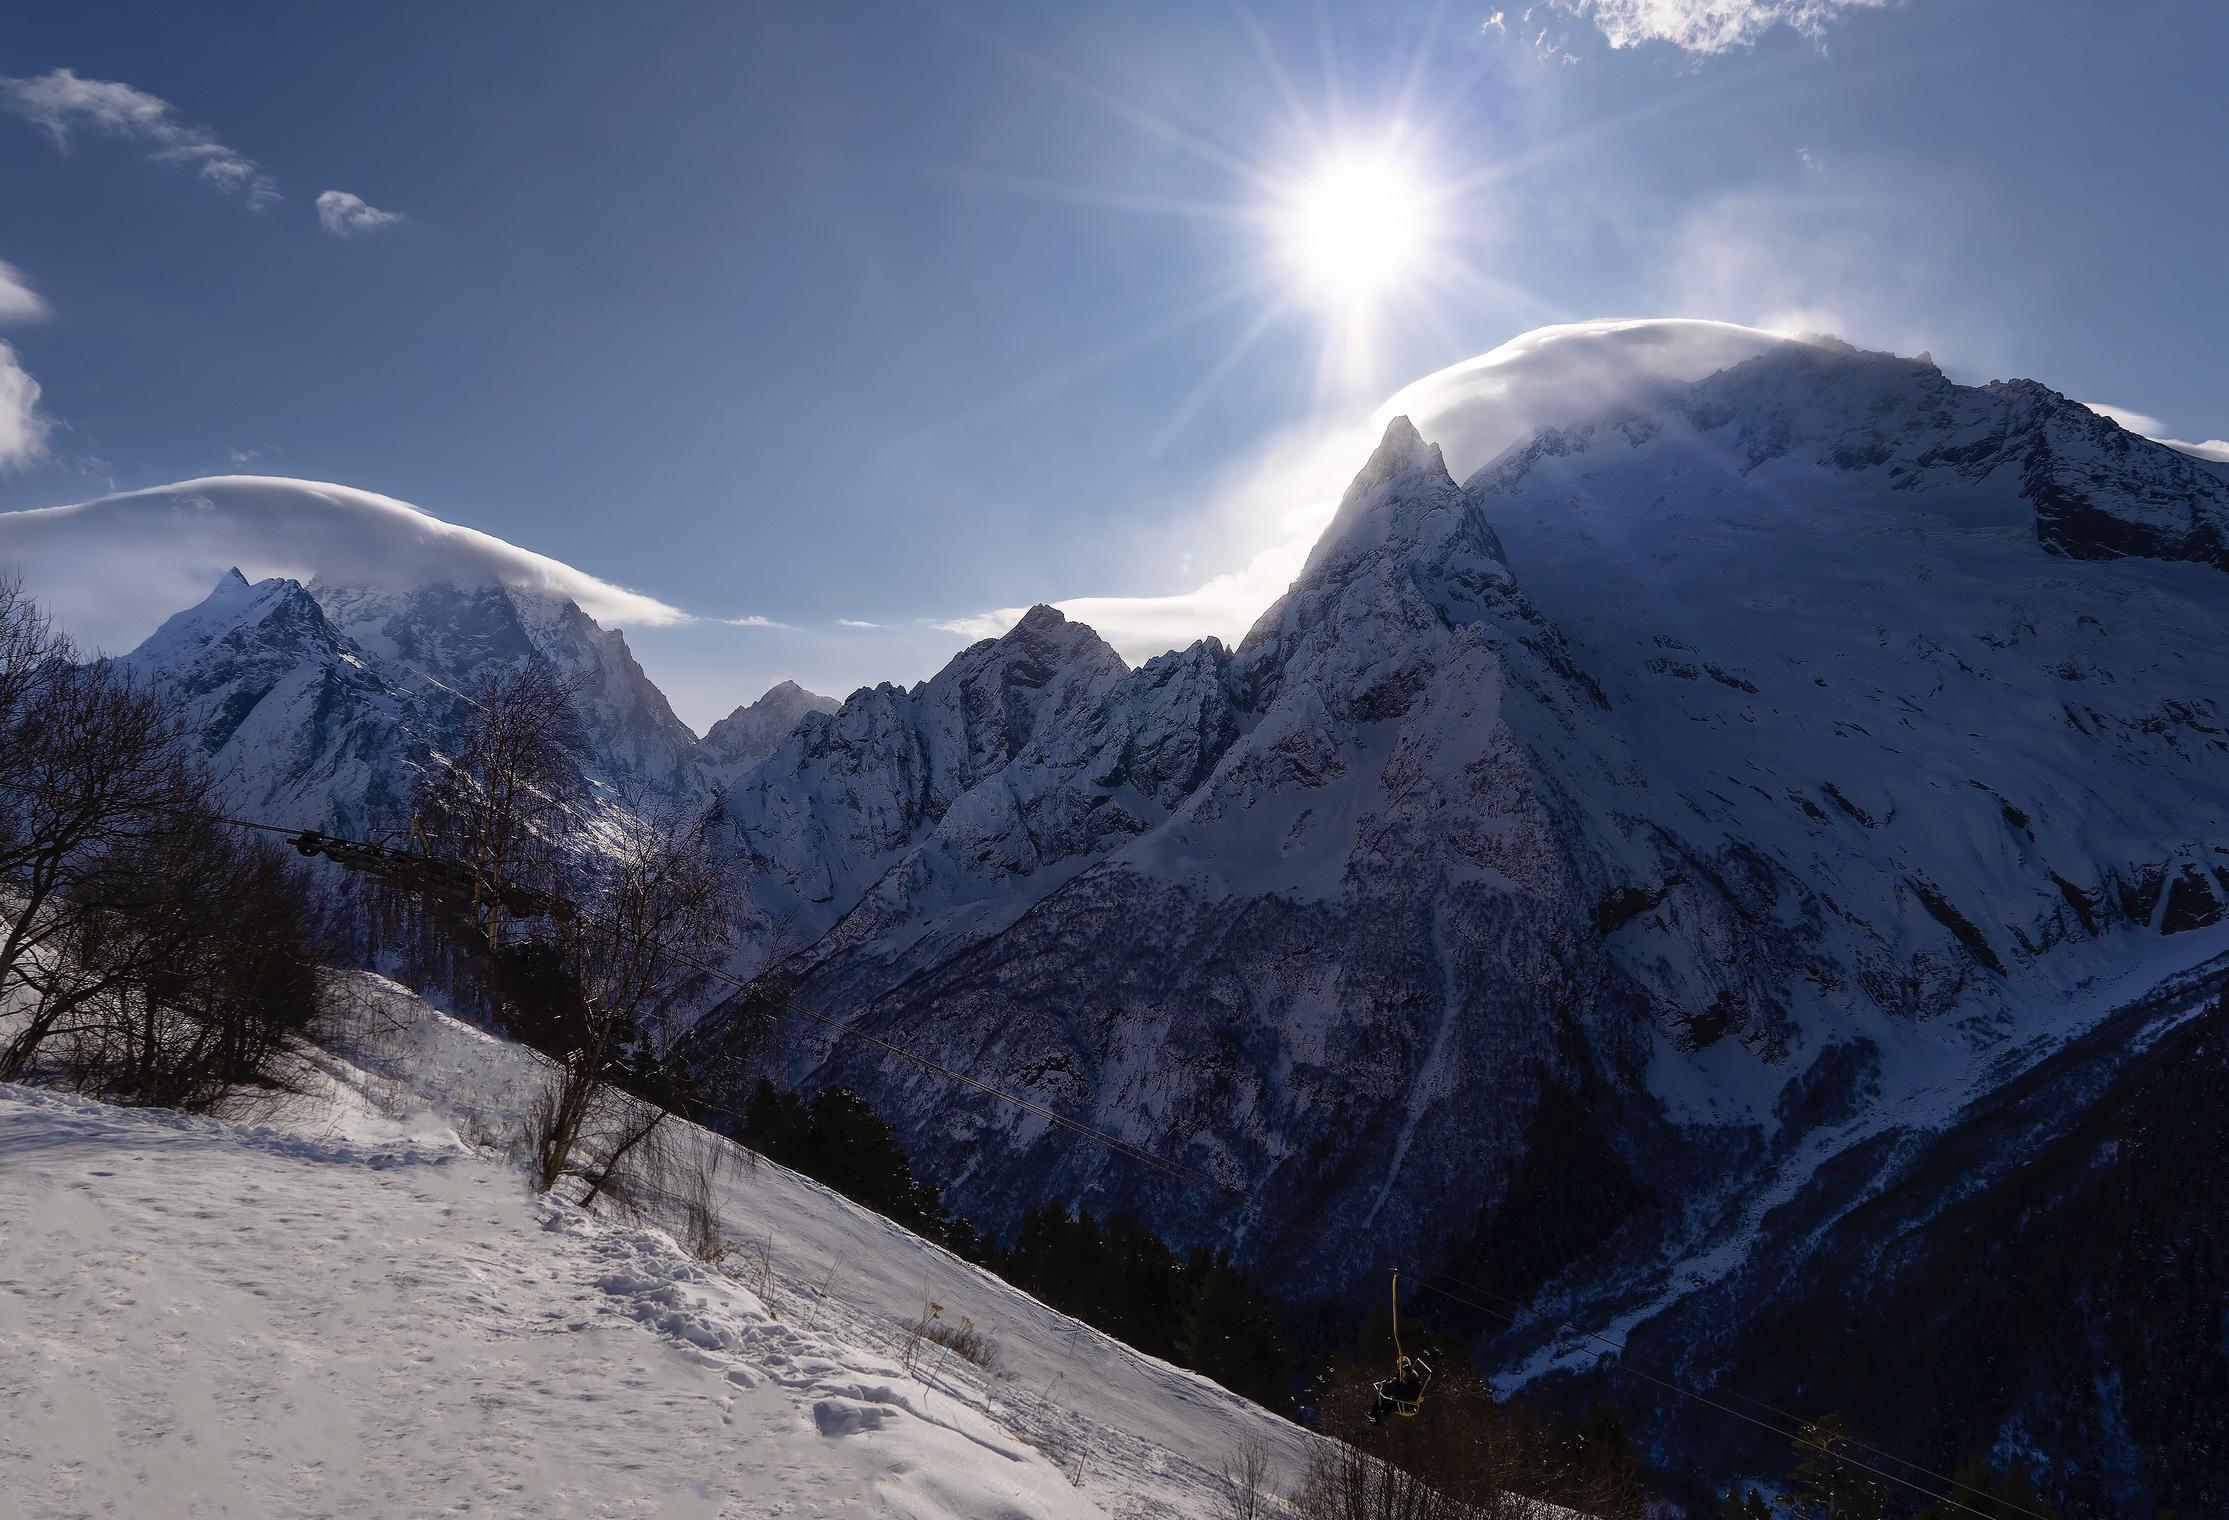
(1355, 228)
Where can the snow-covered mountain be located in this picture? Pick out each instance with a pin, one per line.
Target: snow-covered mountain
(445, 637)
(749, 734)
(1824, 706)
(849, 795)
(302, 729)
(317, 704)
(1582, 860)
(1594, 873)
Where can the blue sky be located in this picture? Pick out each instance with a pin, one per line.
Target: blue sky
(905, 314)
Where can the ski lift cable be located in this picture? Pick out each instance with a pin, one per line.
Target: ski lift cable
(1516, 1316)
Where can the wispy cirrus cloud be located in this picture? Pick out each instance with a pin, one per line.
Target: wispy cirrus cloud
(66, 106)
(1708, 26)
(346, 216)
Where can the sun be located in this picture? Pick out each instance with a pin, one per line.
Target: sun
(1356, 228)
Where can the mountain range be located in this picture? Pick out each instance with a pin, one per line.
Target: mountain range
(1744, 869)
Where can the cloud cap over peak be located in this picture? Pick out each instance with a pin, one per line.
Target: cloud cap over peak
(1471, 411)
(1553, 376)
(111, 569)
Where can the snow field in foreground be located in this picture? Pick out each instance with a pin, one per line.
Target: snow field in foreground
(359, 1308)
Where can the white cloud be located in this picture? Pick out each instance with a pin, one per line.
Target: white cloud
(110, 570)
(18, 301)
(855, 623)
(1562, 374)
(2156, 430)
(747, 620)
(345, 216)
(23, 427)
(2135, 422)
(1708, 26)
(64, 105)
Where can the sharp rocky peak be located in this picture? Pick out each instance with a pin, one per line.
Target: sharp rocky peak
(1402, 467)
(752, 730)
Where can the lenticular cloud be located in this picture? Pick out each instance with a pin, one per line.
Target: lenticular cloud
(1558, 375)
(110, 570)
(1473, 410)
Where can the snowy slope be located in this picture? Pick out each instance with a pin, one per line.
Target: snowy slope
(350, 1309)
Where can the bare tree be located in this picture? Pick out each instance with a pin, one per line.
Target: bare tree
(507, 803)
(594, 943)
(206, 958)
(149, 952)
(640, 951)
(1344, 1482)
(98, 769)
(30, 650)
(1246, 1492)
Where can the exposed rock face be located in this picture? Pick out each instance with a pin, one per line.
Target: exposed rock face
(847, 795)
(750, 733)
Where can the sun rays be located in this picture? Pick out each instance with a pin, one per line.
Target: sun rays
(1348, 221)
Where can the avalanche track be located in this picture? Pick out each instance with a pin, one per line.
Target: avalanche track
(354, 1309)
